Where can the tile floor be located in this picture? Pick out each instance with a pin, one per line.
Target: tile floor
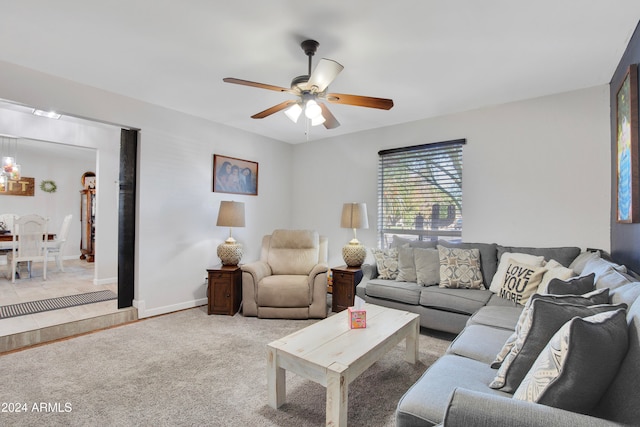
(76, 279)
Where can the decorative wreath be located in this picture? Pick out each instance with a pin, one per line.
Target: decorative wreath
(48, 186)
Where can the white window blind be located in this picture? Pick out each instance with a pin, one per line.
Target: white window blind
(420, 192)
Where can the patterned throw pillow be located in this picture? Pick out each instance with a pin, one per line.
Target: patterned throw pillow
(520, 281)
(387, 263)
(578, 364)
(460, 268)
(543, 320)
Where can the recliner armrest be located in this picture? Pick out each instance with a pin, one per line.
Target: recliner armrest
(318, 269)
(473, 408)
(258, 270)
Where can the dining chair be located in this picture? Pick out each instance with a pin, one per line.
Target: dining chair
(56, 246)
(29, 238)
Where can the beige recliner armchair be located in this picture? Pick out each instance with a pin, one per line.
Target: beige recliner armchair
(290, 280)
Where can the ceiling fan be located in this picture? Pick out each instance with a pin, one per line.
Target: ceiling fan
(311, 90)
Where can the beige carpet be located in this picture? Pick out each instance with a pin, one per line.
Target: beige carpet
(188, 369)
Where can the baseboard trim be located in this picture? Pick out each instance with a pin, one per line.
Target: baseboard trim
(144, 312)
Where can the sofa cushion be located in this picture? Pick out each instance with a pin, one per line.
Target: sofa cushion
(505, 259)
(427, 266)
(488, 257)
(626, 294)
(520, 281)
(497, 317)
(577, 365)
(576, 286)
(542, 321)
(460, 268)
(405, 292)
(465, 301)
(284, 291)
(479, 342)
(293, 251)
(426, 401)
(564, 255)
(607, 274)
(581, 260)
(406, 265)
(397, 241)
(386, 263)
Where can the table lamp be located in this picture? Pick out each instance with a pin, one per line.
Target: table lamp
(231, 214)
(354, 215)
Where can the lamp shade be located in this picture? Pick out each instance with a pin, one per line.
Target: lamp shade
(231, 214)
(354, 215)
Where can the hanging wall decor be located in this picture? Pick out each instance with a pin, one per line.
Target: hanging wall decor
(231, 175)
(627, 177)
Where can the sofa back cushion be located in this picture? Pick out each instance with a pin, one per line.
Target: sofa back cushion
(564, 255)
(620, 402)
(293, 251)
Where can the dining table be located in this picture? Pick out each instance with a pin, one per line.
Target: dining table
(7, 238)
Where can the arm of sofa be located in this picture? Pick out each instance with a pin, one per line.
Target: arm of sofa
(472, 408)
(369, 271)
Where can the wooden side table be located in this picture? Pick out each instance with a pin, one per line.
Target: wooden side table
(225, 290)
(345, 280)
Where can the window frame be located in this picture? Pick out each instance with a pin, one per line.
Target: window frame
(403, 155)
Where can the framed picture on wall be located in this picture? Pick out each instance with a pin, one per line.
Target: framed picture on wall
(236, 176)
(628, 195)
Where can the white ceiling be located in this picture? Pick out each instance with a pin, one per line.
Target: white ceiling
(432, 57)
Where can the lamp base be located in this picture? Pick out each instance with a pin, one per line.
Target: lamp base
(230, 253)
(354, 255)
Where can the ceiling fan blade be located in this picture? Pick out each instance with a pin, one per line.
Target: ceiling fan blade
(323, 74)
(360, 101)
(330, 122)
(255, 84)
(274, 109)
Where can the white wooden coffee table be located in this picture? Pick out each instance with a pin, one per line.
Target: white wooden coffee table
(331, 354)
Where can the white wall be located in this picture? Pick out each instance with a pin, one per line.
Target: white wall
(176, 236)
(536, 172)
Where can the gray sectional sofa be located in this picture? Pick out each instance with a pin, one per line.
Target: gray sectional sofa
(457, 389)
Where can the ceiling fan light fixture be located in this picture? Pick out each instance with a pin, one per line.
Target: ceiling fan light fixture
(294, 112)
(318, 120)
(312, 109)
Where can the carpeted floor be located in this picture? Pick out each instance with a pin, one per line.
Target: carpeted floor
(188, 369)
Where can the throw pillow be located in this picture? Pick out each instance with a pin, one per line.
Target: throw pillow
(594, 298)
(555, 270)
(498, 278)
(520, 281)
(427, 266)
(386, 262)
(577, 286)
(581, 260)
(460, 268)
(577, 365)
(542, 322)
(406, 265)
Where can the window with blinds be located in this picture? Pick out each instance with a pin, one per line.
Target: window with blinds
(420, 192)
